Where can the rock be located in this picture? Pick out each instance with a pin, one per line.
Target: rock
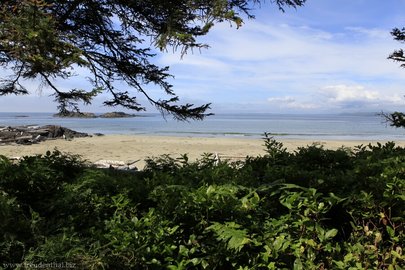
(8, 134)
(54, 131)
(59, 132)
(116, 115)
(33, 134)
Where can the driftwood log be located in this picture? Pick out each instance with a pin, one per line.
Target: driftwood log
(116, 164)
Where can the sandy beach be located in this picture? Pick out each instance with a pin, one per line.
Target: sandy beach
(136, 147)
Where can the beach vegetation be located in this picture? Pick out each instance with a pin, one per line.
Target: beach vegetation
(110, 41)
(313, 208)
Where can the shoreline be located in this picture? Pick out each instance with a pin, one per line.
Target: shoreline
(140, 147)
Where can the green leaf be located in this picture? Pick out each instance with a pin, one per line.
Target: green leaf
(183, 251)
(321, 232)
(348, 257)
(204, 264)
(210, 190)
(278, 243)
(229, 232)
(173, 229)
(298, 264)
(331, 233)
(391, 231)
(339, 264)
(195, 261)
(400, 196)
(397, 255)
(311, 242)
(250, 201)
(272, 266)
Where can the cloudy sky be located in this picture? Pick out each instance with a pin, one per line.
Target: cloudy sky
(326, 57)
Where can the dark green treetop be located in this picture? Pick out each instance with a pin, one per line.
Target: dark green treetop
(397, 119)
(114, 40)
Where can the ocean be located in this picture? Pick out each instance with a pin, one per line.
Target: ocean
(298, 126)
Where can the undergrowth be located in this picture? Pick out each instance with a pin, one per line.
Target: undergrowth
(309, 209)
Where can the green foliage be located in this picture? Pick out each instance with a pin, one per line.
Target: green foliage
(30, 35)
(310, 209)
(276, 151)
(397, 119)
(115, 41)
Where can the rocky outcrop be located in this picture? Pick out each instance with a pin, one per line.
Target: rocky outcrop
(76, 115)
(116, 115)
(35, 134)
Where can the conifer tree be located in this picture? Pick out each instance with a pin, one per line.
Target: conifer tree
(116, 40)
(397, 119)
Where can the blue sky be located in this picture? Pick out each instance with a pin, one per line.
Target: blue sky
(326, 57)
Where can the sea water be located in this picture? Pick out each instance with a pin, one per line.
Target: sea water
(294, 126)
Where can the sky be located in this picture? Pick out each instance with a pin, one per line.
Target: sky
(326, 57)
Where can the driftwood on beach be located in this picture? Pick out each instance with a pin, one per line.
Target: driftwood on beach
(33, 134)
(116, 164)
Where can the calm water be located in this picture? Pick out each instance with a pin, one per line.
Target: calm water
(314, 127)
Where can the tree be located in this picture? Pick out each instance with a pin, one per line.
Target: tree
(48, 39)
(397, 119)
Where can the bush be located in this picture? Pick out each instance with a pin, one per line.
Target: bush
(310, 209)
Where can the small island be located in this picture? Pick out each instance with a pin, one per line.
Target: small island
(75, 115)
(93, 115)
(116, 115)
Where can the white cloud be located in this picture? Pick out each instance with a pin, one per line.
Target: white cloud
(343, 93)
(359, 97)
(290, 103)
(312, 63)
(341, 97)
(293, 62)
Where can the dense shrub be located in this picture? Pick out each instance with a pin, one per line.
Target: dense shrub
(309, 209)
